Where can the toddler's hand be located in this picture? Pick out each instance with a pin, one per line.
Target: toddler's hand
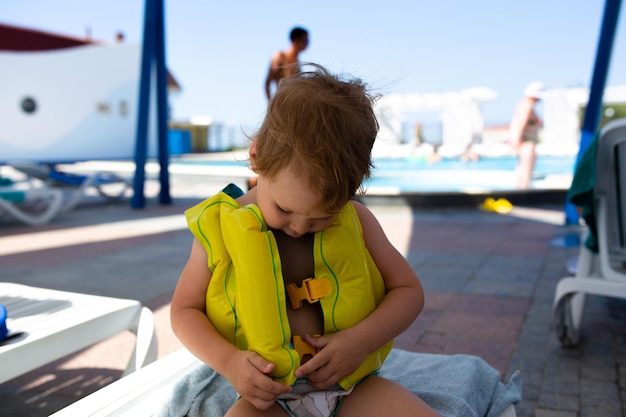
(339, 356)
(247, 372)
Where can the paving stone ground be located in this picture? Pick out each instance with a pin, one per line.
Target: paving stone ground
(489, 282)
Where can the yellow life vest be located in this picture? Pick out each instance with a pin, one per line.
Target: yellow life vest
(246, 299)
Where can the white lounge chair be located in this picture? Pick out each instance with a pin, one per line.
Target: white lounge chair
(602, 273)
(138, 394)
(45, 325)
(153, 390)
(74, 185)
(34, 206)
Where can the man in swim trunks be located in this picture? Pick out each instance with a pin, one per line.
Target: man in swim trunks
(286, 63)
(292, 291)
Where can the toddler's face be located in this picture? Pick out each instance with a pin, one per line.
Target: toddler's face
(288, 203)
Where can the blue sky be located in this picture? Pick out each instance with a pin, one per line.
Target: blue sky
(220, 52)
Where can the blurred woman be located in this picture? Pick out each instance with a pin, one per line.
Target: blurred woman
(524, 133)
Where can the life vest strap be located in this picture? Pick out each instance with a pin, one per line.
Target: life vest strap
(302, 347)
(312, 290)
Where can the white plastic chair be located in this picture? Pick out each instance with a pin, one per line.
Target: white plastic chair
(45, 325)
(73, 185)
(33, 207)
(143, 393)
(139, 394)
(603, 273)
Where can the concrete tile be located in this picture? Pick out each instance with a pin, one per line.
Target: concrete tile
(489, 282)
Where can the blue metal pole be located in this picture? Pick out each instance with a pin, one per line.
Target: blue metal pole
(141, 144)
(162, 113)
(598, 82)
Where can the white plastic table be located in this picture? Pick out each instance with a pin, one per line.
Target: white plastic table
(51, 324)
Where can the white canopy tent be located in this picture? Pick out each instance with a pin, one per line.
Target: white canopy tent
(461, 115)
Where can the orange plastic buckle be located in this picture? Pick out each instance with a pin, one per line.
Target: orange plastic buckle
(302, 347)
(312, 290)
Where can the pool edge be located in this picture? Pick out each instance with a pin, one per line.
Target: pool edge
(460, 199)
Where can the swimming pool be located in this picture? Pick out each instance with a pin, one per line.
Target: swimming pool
(454, 175)
(406, 175)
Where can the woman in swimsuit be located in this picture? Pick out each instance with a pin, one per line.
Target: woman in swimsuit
(524, 131)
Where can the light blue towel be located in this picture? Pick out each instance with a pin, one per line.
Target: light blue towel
(454, 385)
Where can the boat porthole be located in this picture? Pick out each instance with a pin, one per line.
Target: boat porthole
(29, 105)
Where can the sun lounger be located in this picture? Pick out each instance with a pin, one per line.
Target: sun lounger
(138, 394)
(45, 325)
(180, 385)
(33, 206)
(599, 187)
(75, 186)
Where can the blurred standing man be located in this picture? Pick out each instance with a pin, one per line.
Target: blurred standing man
(285, 63)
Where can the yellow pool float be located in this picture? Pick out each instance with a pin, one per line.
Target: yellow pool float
(500, 205)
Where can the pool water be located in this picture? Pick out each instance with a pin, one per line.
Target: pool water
(401, 175)
(454, 175)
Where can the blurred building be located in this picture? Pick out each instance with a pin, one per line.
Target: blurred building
(16, 38)
(66, 99)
